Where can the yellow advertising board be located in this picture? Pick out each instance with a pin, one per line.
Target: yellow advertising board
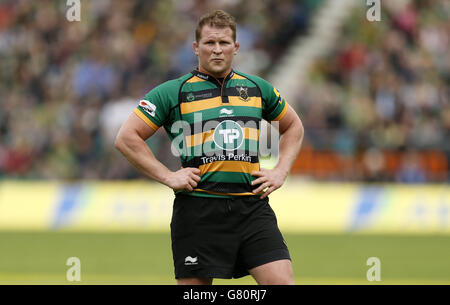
(300, 207)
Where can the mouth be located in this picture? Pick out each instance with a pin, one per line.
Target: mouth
(217, 60)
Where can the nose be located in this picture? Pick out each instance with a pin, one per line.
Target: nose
(217, 49)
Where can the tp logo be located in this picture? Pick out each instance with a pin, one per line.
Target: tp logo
(374, 12)
(228, 135)
(374, 272)
(74, 11)
(73, 274)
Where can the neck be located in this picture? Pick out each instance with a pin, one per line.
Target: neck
(215, 75)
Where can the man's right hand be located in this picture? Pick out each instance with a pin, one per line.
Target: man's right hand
(184, 179)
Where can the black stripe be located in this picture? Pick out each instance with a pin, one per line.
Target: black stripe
(226, 187)
(233, 91)
(197, 161)
(192, 96)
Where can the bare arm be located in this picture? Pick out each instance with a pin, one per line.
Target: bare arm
(291, 131)
(130, 141)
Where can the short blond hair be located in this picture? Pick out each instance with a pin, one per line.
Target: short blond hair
(217, 18)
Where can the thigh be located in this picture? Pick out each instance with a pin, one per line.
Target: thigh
(194, 281)
(274, 273)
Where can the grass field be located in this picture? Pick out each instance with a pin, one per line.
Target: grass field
(145, 258)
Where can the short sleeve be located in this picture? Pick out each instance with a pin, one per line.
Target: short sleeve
(274, 105)
(153, 109)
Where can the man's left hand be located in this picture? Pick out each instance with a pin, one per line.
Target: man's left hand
(271, 179)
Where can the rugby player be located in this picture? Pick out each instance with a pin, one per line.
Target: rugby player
(222, 224)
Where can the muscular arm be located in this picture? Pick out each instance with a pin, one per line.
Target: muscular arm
(291, 131)
(130, 141)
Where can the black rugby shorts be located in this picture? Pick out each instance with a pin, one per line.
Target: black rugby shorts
(224, 238)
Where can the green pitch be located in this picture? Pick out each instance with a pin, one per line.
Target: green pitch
(145, 258)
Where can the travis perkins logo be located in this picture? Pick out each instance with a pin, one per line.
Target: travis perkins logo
(243, 94)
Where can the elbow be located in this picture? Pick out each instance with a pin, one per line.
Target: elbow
(300, 128)
(300, 132)
(118, 143)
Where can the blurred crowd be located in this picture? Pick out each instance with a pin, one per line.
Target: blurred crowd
(384, 88)
(66, 87)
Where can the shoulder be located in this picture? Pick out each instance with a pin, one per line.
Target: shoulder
(254, 78)
(263, 85)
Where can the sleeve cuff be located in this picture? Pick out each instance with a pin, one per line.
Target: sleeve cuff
(145, 119)
(283, 112)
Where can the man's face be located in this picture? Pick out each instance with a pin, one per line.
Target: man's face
(215, 50)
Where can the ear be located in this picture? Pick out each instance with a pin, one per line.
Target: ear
(236, 47)
(195, 47)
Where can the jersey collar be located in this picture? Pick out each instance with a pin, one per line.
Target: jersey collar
(210, 78)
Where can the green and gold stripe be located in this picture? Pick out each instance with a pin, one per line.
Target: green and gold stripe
(145, 119)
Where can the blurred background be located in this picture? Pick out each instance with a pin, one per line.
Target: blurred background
(371, 179)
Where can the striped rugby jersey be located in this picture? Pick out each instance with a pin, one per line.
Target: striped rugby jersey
(215, 125)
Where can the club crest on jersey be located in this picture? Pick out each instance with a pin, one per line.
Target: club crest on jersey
(148, 107)
(243, 94)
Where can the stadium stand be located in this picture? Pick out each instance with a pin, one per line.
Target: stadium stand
(374, 109)
(376, 106)
(64, 86)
